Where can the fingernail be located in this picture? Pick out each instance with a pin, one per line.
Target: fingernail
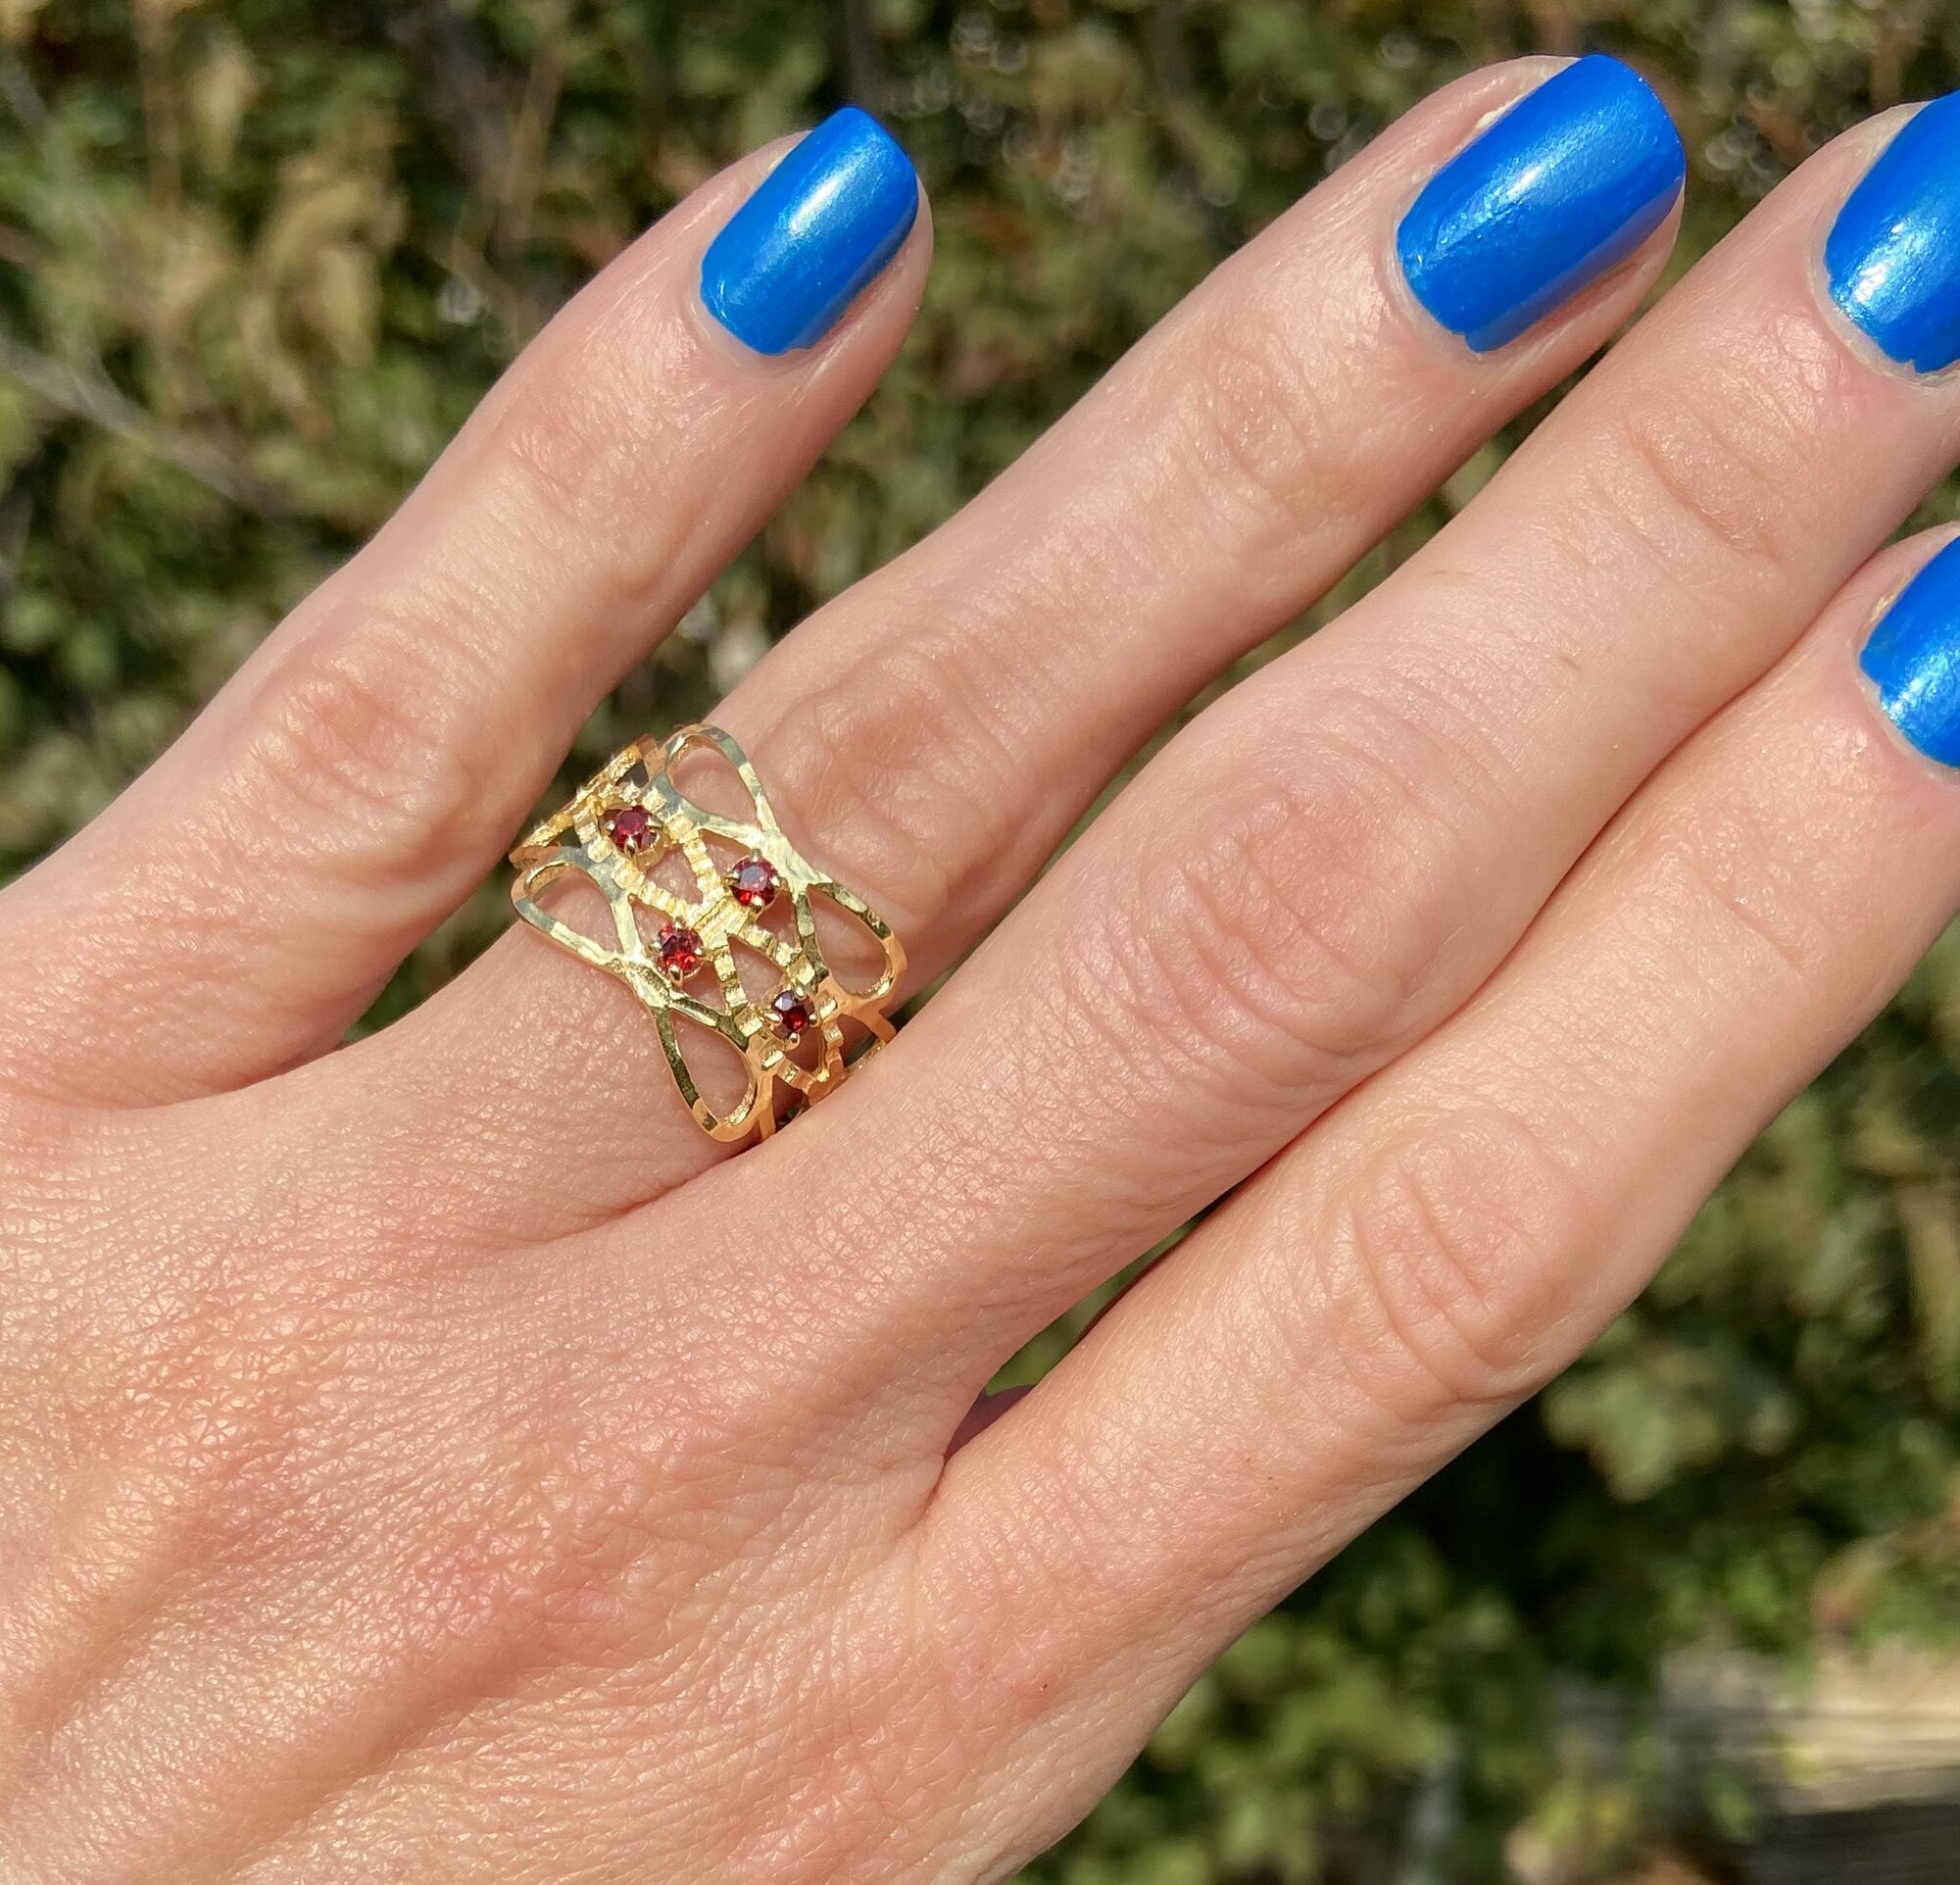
(1894, 255)
(1566, 184)
(1913, 659)
(819, 227)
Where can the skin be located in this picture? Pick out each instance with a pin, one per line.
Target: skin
(432, 1460)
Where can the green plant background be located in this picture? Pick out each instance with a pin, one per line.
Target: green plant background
(256, 260)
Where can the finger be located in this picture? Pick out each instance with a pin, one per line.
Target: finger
(241, 903)
(932, 736)
(1335, 857)
(1463, 1228)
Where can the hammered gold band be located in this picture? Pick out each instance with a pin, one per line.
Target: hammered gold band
(677, 953)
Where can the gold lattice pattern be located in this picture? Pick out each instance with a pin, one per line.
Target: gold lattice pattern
(677, 954)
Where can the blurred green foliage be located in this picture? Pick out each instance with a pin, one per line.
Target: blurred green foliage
(256, 260)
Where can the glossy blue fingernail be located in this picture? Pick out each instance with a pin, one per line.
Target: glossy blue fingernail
(818, 229)
(1570, 181)
(1894, 255)
(1913, 659)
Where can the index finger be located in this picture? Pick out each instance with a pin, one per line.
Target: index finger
(355, 780)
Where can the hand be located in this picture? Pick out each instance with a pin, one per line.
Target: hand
(434, 1460)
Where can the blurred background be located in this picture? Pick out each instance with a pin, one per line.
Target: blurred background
(1693, 1615)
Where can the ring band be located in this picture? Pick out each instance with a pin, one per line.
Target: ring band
(622, 824)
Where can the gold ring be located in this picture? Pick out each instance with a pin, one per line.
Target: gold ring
(677, 954)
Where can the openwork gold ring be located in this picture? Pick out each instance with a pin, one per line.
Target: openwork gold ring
(678, 952)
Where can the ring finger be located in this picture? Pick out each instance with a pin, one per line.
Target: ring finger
(933, 734)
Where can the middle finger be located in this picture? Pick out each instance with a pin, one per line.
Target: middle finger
(1330, 861)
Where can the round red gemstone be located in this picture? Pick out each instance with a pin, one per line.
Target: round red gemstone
(755, 883)
(679, 950)
(792, 1012)
(630, 828)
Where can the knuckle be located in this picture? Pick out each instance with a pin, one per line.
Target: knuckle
(1258, 426)
(1293, 943)
(205, 1403)
(1259, 970)
(589, 437)
(1452, 1252)
(1713, 474)
(882, 1765)
(559, 453)
(593, 1519)
(564, 1558)
(907, 776)
(1736, 879)
(372, 742)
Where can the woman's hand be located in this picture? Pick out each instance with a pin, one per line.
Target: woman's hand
(424, 1461)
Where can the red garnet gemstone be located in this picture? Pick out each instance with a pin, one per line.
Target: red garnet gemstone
(630, 828)
(792, 1012)
(679, 950)
(755, 883)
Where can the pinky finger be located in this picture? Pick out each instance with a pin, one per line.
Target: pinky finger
(1459, 1231)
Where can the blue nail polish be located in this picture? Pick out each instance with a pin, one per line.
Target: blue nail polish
(818, 229)
(1570, 181)
(1894, 255)
(1913, 659)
